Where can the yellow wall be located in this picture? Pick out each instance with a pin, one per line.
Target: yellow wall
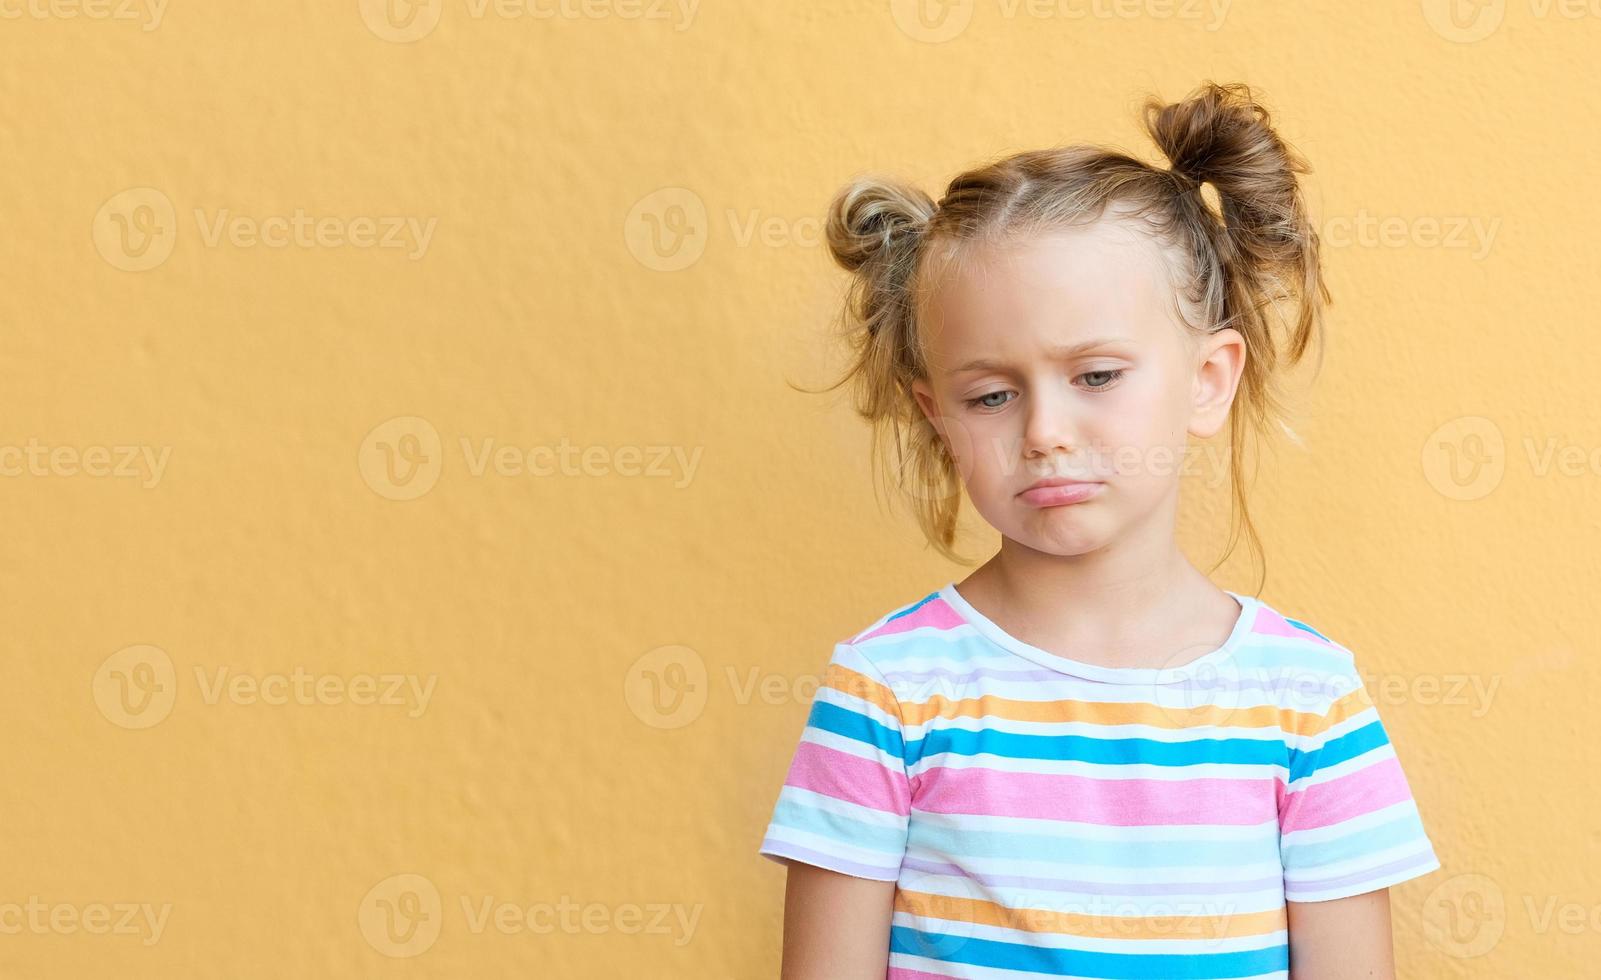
(709, 529)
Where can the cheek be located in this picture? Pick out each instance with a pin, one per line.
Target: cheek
(1151, 411)
(986, 451)
(1134, 435)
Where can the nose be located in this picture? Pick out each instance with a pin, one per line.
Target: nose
(1049, 425)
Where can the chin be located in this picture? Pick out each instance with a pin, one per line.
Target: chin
(1060, 531)
(1063, 549)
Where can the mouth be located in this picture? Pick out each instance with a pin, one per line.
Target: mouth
(1057, 491)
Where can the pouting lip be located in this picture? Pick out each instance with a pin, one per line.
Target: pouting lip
(1056, 481)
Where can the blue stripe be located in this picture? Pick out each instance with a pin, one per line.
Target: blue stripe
(829, 717)
(914, 607)
(1302, 626)
(1119, 966)
(1106, 751)
(1342, 749)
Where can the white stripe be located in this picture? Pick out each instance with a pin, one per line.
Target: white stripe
(832, 846)
(1355, 866)
(1271, 735)
(1112, 875)
(1075, 830)
(851, 746)
(1097, 770)
(1356, 763)
(1374, 884)
(842, 808)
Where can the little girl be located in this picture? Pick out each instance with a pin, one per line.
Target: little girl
(1085, 759)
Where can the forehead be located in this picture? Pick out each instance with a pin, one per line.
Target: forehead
(1096, 280)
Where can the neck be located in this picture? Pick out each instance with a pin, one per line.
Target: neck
(1102, 594)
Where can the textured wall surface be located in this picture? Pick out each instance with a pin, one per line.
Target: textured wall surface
(417, 564)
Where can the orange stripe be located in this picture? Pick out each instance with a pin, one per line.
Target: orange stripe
(1203, 924)
(1352, 703)
(1265, 716)
(862, 687)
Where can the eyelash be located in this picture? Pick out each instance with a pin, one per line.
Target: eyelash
(1116, 376)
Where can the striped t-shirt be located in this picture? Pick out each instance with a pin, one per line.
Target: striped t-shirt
(1045, 817)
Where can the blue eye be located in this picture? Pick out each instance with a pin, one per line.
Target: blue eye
(1111, 378)
(979, 402)
(1114, 377)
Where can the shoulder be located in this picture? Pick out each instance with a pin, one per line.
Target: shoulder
(907, 636)
(1313, 670)
(908, 620)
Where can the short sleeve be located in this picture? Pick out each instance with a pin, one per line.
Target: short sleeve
(1347, 821)
(845, 803)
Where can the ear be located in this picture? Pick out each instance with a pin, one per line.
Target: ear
(1219, 362)
(924, 393)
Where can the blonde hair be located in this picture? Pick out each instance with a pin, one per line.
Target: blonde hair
(1241, 268)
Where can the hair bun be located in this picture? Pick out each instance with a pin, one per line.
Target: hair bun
(1221, 135)
(871, 215)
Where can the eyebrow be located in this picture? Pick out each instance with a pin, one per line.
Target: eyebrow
(1060, 352)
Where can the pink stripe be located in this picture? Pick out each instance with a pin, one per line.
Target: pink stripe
(936, 613)
(1375, 787)
(850, 778)
(1109, 802)
(901, 973)
(1270, 623)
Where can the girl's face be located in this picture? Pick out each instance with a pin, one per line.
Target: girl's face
(1063, 356)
